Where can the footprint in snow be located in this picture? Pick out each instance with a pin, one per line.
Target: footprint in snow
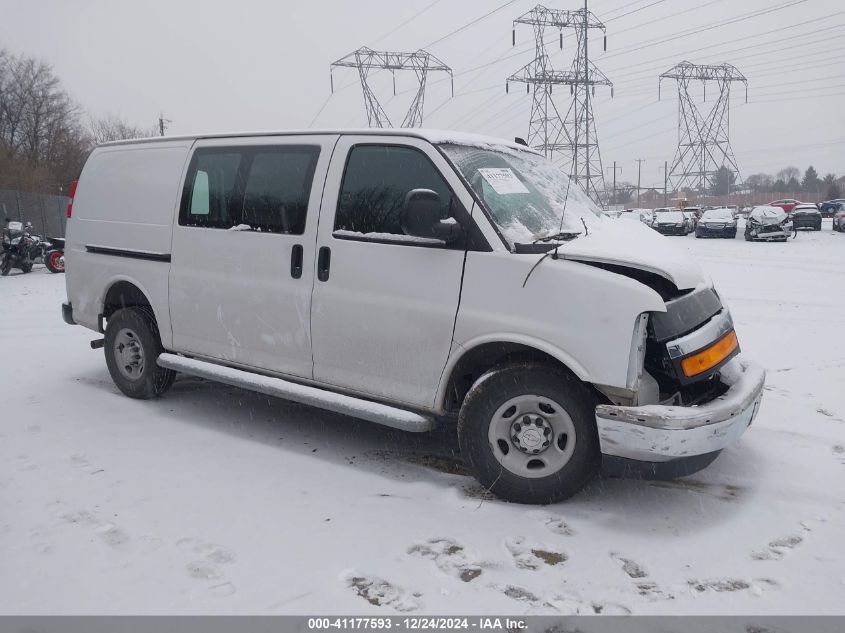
(533, 556)
(652, 592)
(723, 585)
(573, 605)
(553, 523)
(518, 593)
(210, 551)
(380, 592)
(209, 556)
(111, 535)
(449, 557)
(779, 547)
(107, 532)
(630, 567)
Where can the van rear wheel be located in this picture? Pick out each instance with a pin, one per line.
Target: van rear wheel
(528, 433)
(132, 347)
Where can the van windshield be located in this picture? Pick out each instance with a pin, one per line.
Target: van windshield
(523, 192)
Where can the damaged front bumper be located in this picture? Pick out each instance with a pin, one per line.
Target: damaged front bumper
(771, 231)
(661, 433)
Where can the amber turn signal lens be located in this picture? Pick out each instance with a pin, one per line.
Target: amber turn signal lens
(710, 357)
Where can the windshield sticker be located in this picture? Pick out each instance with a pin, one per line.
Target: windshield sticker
(503, 180)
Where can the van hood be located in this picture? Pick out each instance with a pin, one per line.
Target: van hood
(634, 245)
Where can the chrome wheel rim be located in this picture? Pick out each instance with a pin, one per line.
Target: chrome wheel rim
(129, 354)
(532, 436)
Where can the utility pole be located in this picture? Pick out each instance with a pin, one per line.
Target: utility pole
(665, 169)
(573, 136)
(366, 59)
(639, 173)
(614, 180)
(162, 123)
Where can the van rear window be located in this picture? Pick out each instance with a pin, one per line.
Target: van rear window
(265, 188)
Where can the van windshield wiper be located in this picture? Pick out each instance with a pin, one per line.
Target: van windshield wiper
(563, 236)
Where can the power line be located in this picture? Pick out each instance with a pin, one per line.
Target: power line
(471, 23)
(616, 17)
(322, 107)
(408, 21)
(665, 17)
(635, 77)
(715, 25)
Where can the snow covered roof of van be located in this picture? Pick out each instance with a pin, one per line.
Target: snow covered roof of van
(431, 135)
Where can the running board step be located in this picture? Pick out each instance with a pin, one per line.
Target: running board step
(336, 402)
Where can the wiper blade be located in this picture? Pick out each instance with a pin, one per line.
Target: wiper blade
(558, 237)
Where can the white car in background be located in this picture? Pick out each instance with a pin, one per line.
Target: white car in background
(768, 224)
(646, 216)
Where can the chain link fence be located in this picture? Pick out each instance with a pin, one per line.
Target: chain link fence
(46, 212)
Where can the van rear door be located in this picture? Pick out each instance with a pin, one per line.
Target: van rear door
(243, 251)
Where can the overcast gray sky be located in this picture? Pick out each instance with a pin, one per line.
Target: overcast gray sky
(247, 65)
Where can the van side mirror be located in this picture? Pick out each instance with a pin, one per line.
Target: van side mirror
(421, 217)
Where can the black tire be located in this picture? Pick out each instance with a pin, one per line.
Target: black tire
(6, 265)
(26, 268)
(52, 263)
(747, 236)
(151, 380)
(489, 395)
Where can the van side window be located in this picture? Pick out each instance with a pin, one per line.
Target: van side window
(266, 187)
(375, 183)
(211, 189)
(277, 189)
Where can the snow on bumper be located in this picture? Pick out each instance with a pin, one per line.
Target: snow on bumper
(657, 433)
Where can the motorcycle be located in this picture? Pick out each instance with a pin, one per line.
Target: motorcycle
(54, 255)
(18, 247)
(21, 249)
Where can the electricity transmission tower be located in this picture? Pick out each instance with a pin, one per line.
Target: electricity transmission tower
(573, 136)
(421, 62)
(703, 142)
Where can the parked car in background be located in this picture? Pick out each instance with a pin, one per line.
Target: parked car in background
(717, 223)
(829, 208)
(646, 216)
(787, 205)
(670, 223)
(688, 216)
(697, 211)
(807, 216)
(768, 223)
(839, 218)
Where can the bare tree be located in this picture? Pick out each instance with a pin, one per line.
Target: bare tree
(759, 182)
(41, 140)
(789, 173)
(112, 128)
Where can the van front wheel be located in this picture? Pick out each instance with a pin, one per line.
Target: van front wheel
(132, 347)
(528, 433)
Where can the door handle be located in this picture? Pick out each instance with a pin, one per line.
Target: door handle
(324, 260)
(296, 261)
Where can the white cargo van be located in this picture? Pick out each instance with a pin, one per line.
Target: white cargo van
(409, 277)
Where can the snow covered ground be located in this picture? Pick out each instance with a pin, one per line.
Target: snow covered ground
(216, 500)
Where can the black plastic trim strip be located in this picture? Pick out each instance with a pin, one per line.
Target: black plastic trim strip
(685, 314)
(127, 252)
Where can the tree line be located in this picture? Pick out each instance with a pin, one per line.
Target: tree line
(789, 179)
(45, 136)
